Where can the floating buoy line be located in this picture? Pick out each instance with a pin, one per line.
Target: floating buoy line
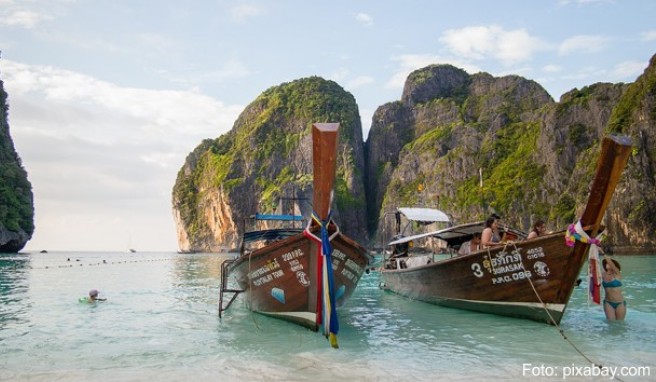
(78, 263)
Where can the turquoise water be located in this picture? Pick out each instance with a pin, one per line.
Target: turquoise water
(160, 323)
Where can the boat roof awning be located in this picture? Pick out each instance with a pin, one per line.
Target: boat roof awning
(424, 214)
(271, 234)
(456, 234)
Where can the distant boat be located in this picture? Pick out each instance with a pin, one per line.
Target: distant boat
(132, 250)
(300, 275)
(531, 279)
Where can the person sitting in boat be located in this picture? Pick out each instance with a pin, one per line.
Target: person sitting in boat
(491, 236)
(539, 229)
(399, 250)
(470, 246)
(614, 303)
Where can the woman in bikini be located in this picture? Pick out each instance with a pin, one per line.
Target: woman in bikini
(614, 303)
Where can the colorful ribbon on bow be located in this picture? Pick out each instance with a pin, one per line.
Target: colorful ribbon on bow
(327, 312)
(575, 232)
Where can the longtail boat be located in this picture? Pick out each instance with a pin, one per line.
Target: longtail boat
(531, 279)
(301, 275)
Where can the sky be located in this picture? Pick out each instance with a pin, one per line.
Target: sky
(108, 97)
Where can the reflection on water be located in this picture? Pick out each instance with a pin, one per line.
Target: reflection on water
(160, 322)
(14, 284)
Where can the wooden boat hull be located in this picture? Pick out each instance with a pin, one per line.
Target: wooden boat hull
(531, 279)
(280, 280)
(526, 280)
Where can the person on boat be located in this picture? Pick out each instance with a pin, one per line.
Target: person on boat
(614, 303)
(491, 236)
(93, 297)
(470, 246)
(539, 229)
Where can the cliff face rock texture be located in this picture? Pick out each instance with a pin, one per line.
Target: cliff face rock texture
(265, 158)
(16, 200)
(475, 144)
(466, 144)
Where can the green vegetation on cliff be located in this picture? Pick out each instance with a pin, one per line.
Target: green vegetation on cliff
(268, 153)
(16, 205)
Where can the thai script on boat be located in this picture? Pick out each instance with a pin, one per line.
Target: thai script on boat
(354, 266)
(503, 258)
(349, 275)
(268, 278)
(292, 254)
(503, 263)
(504, 267)
(268, 267)
(338, 254)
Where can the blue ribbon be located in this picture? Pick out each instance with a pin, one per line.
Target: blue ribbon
(327, 251)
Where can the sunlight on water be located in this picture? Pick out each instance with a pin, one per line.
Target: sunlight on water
(160, 322)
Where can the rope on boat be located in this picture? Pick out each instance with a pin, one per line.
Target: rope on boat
(544, 306)
(328, 316)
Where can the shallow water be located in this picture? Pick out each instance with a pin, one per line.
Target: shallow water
(160, 323)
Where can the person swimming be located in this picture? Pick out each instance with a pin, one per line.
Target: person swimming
(93, 297)
(614, 303)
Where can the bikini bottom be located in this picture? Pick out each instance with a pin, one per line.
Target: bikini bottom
(614, 305)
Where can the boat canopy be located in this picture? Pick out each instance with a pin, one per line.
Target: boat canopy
(424, 214)
(283, 217)
(271, 234)
(457, 234)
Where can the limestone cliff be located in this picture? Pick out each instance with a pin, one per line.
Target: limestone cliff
(16, 200)
(268, 156)
(467, 144)
(473, 144)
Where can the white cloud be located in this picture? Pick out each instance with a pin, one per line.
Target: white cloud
(649, 35)
(28, 15)
(242, 12)
(112, 151)
(484, 42)
(628, 70)
(552, 68)
(582, 44)
(359, 82)
(364, 19)
(25, 19)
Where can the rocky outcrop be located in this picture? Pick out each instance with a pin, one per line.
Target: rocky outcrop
(16, 200)
(472, 145)
(632, 215)
(265, 158)
(467, 144)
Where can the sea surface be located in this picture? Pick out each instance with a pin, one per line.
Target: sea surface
(160, 323)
